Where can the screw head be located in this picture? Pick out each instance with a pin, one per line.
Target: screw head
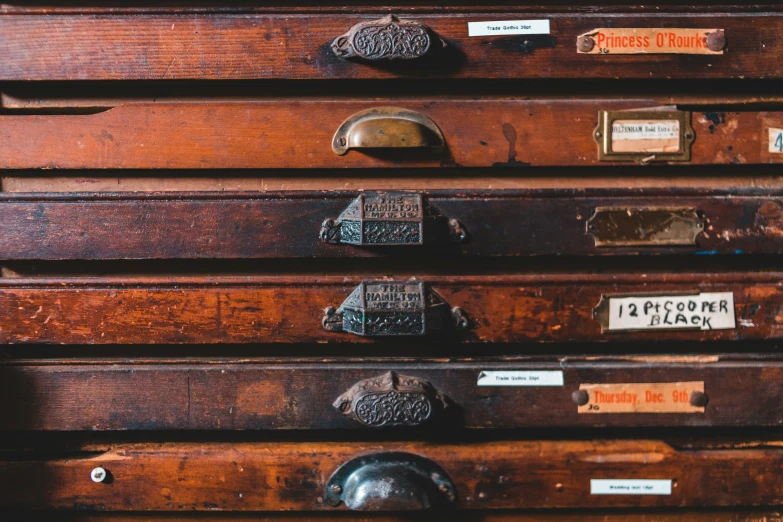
(580, 397)
(336, 489)
(716, 41)
(698, 399)
(98, 475)
(586, 44)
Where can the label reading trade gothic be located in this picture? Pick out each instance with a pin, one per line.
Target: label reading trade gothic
(662, 136)
(629, 40)
(706, 311)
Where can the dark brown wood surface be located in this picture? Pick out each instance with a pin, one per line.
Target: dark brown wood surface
(278, 395)
(286, 225)
(492, 132)
(287, 309)
(488, 475)
(294, 43)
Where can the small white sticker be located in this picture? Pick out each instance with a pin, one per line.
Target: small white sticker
(705, 311)
(645, 130)
(505, 27)
(520, 378)
(630, 487)
(776, 141)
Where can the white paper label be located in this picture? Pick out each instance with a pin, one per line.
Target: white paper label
(630, 487)
(520, 378)
(508, 27)
(776, 141)
(645, 130)
(707, 311)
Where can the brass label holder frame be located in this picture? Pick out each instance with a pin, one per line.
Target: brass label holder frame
(603, 135)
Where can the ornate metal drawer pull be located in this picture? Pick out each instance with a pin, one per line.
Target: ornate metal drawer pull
(393, 481)
(391, 400)
(387, 128)
(391, 218)
(387, 39)
(393, 308)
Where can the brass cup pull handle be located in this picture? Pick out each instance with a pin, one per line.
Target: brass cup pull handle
(391, 400)
(393, 481)
(387, 128)
(388, 38)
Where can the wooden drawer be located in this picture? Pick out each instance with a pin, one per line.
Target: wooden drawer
(402, 132)
(465, 309)
(469, 476)
(260, 42)
(388, 223)
(368, 394)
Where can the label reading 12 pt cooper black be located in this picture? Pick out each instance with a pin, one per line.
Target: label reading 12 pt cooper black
(705, 311)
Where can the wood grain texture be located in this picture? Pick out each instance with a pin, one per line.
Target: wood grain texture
(291, 476)
(287, 309)
(492, 132)
(244, 395)
(287, 225)
(295, 44)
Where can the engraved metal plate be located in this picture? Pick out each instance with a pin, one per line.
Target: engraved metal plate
(390, 219)
(644, 136)
(386, 39)
(393, 308)
(616, 227)
(391, 400)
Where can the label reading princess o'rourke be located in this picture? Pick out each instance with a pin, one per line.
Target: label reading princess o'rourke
(637, 40)
(646, 136)
(658, 397)
(705, 311)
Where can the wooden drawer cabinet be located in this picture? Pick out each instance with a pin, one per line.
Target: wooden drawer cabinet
(438, 397)
(253, 42)
(338, 476)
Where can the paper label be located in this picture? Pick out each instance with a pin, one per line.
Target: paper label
(646, 136)
(638, 40)
(506, 27)
(630, 487)
(520, 378)
(666, 397)
(776, 141)
(706, 311)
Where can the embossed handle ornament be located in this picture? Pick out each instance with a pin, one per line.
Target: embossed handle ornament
(391, 400)
(391, 219)
(393, 308)
(387, 39)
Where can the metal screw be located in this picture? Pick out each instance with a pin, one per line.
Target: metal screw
(580, 397)
(586, 44)
(716, 41)
(98, 475)
(342, 142)
(698, 399)
(688, 135)
(336, 489)
(599, 134)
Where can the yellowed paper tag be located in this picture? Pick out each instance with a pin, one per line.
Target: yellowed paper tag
(646, 136)
(776, 141)
(666, 397)
(638, 40)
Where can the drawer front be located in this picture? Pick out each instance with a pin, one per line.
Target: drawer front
(305, 476)
(320, 43)
(396, 224)
(349, 133)
(463, 309)
(572, 392)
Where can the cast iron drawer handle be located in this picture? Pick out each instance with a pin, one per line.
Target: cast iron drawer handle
(393, 308)
(393, 481)
(387, 39)
(387, 128)
(391, 400)
(391, 219)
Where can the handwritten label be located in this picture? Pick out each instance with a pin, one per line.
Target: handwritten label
(630, 487)
(667, 397)
(629, 40)
(646, 136)
(706, 311)
(506, 27)
(520, 378)
(776, 141)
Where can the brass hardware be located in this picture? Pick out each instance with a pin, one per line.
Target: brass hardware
(617, 227)
(391, 400)
(393, 481)
(716, 41)
(698, 399)
(387, 39)
(391, 218)
(393, 308)
(585, 43)
(387, 127)
(644, 151)
(580, 397)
